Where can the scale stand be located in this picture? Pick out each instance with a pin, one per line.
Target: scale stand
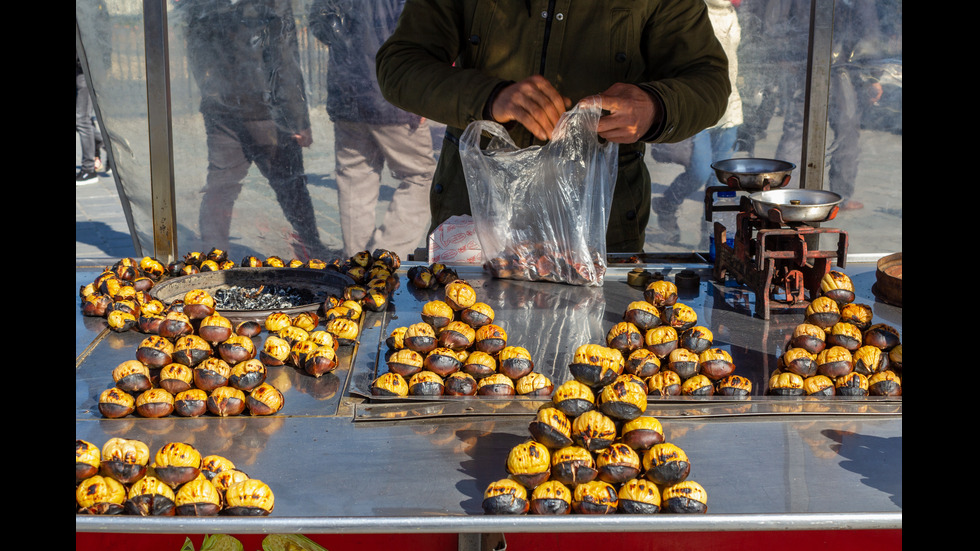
(772, 258)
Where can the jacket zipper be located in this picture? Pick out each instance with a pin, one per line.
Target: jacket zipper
(547, 33)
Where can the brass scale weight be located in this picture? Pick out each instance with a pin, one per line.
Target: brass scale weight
(771, 253)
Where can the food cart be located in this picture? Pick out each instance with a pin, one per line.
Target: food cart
(350, 468)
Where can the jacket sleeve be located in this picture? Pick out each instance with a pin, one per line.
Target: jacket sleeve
(416, 71)
(689, 70)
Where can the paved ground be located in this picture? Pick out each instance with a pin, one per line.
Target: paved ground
(102, 232)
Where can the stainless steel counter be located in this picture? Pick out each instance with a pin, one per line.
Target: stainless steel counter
(341, 463)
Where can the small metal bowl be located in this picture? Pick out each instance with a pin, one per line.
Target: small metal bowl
(753, 174)
(796, 205)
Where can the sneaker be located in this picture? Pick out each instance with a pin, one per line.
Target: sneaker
(98, 164)
(84, 177)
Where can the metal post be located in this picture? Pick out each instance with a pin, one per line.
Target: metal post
(159, 128)
(817, 94)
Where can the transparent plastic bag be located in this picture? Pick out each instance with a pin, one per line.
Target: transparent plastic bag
(541, 212)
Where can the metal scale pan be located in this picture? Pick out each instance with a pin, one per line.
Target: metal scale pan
(753, 174)
(795, 205)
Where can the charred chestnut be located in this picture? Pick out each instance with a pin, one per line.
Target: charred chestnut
(176, 378)
(642, 314)
(534, 384)
(215, 328)
(406, 362)
(426, 383)
(307, 321)
(505, 497)
(800, 361)
(479, 364)
(786, 384)
(155, 351)
(859, 315)
(175, 325)
(685, 497)
(685, 363)
(100, 495)
(661, 340)
(421, 277)
(679, 316)
(211, 374)
(442, 362)
(226, 401)
(247, 375)
(211, 465)
(437, 313)
(552, 428)
(573, 465)
(459, 383)
(150, 497)
(698, 385)
(264, 399)
(132, 376)
(661, 293)
(456, 335)
(88, 458)
(496, 384)
(276, 321)
(885, 383)
(595, 498)
(120, 320)
(514, 362)
(716, 363)
(664, 383)
(236, 349)
(250, 498)
(851, 384)
(551, 498)
(176, 463)
(421, 338)
(293, 334)
(460, 295)
(895, 358)
(115, 403)
(390, 384)
(823, 312)
(697, 339)
(198, 497)
(529, 463)
(625, 337)
(477, 315)
(617, 463)
(300, 352)
(666, 464)
(593, 430)
(835, 361)
(642, 432)
(191, 350)
(573, 398)
(642, 363)
(639, 497)
(154, 403)
(320, 361)
(490, 338)
(869, 360)
(837, 286)
(124, 460)
(344, 330)
(818, 385)
(596, 365)
(198, 304)
(846, 335)
(734, 385)
(883, 336)
(192, 402)
(622, 400)
(275, 351)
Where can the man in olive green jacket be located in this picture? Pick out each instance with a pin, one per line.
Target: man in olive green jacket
(656, 65)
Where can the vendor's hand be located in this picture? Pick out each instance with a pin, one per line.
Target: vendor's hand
(304, 137)
(632, 112)
(532, 102)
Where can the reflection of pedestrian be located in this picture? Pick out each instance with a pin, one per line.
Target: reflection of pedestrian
(657, 67)
(369, 132)
(89, 135)
(709, 145)
(245, 59)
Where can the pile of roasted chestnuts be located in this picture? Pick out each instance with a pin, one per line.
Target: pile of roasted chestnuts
(839, 350)
(457, 349)
(122, 477)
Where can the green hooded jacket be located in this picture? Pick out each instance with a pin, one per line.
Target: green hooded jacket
(447, 58)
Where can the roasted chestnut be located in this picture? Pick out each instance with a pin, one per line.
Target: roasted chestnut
(660, 293)
(514, 362)
(236, 349)
(895, 358)
(124, 460)
(818, 385)
(666, 463)
(211, 374)
(639, 497)
(573, 398)
(661, 340)
(264, 399)
(456, 335)
(150, 496)
(684, 362)
(96, 305)
(251, 261)
(120, 320)
(460, 295)
(846, 335)
(617, 463)
(421, 338)
(275, 351)
(551, 498)
(198, 304)
(716, 363)
(685, 497)
(698, 385)
(276, 321)
(155, 351)
(479, 364)
(175, 325)
(786, 384)
(274, 262)
(308, 321)
(642, 314)
(88, 458)
(529, 463)
(496, 384)
(505, 497)
(823, 312)
(459, 383)
(248, 328)
(623, 400)
(154, 403)
(885, 383)
(192, 402)
(389, 384)
(176, 378)
(249, 498)
(320, 361)
(625, 337)
(247, 375)
(664, 383)
(132, 376)
(426, 383)
(595, 498)
(596, 365)
(552, 428)
(300, 351)
(534, 384)
(642, 432)
(100, 495)
(191, 350)
(642, 363)
(405, 362)
(176, 463)
(883, 336)
(226, 401)
(851, 384)
(869, 360)
(835, 361)
(593, 430)
(115, 403)
(679, 316)
(437, 313)
(215, 328)
(734, 385)
(421, 277)
(573, 465)
(837, 286)
(199, 497)
(800, 361)
(477, 315)
(490, 338)
(211, 465)
(857, 314)
(293, 334)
